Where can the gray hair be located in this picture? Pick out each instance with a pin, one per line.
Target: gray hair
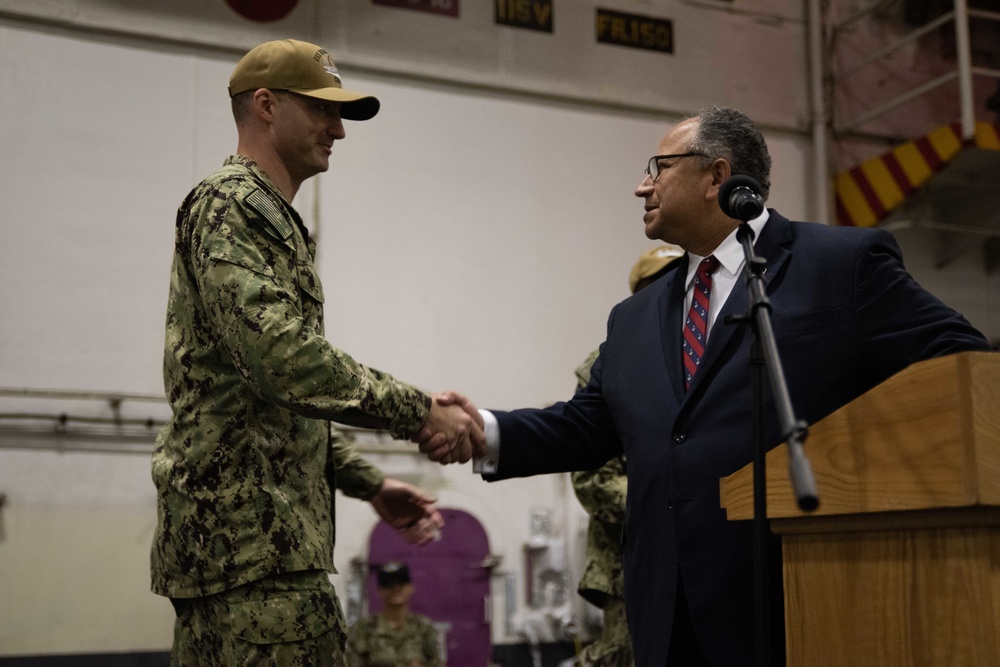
(729, 134)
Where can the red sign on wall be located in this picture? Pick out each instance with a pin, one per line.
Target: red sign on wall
(262, 10)
(444, 7)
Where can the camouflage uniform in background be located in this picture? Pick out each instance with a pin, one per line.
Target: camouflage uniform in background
(373, 642)
(244, 468)
(602, 493)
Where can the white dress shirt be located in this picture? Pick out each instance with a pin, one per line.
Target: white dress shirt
(731, 261)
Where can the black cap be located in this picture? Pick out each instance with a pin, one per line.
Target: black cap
(392, 573)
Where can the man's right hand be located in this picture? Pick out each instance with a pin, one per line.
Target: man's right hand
(453, 432)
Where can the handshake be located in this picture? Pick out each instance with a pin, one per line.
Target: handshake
(453, 432)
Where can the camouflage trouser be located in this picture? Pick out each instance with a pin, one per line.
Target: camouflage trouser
(614, 648)
(290, 619)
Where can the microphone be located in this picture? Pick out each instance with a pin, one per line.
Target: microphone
(740, 198)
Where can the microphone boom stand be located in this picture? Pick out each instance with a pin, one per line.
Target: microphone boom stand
(765, 363)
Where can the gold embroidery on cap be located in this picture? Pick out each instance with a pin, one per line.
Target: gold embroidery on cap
(330, 67)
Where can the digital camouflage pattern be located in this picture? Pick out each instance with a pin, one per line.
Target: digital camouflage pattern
(291, 620)
(614, 648)
(240, 469)
(349, 472)
(373, 642)
(602, 493)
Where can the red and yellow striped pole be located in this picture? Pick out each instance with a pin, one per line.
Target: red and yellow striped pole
(869, 192)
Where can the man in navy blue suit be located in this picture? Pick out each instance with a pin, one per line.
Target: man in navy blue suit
(671, 387)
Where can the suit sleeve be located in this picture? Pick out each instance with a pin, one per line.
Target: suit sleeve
(899, 321)
(578, 434)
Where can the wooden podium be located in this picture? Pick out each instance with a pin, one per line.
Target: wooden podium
(900, 565)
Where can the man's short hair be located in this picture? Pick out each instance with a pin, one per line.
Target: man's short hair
(241, 106)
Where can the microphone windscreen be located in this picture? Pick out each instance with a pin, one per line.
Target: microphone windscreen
(726, 191)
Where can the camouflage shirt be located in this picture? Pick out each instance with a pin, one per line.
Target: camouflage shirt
(348, 471)
(240, 467)
(602, 493)
(373, 642)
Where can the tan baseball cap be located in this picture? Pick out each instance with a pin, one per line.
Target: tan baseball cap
(303, 68)
(652, 262)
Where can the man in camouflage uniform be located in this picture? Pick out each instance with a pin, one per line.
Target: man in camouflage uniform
(395, 637)
(245, 468)
(602, 493)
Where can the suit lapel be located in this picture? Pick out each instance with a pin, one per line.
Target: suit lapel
(671, 305)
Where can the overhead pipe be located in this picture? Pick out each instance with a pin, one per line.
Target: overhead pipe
(963, 50)
(821, 196)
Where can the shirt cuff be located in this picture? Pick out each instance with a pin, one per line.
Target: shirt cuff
(487, 465)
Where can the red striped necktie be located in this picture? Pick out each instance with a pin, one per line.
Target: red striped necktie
(696, 325)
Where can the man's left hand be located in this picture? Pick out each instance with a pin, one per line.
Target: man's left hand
(409, 510)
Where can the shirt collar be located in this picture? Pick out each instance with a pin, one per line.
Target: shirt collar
(729, 253)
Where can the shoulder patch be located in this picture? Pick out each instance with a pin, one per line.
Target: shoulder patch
(267, 208)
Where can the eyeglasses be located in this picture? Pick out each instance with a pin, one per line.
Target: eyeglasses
(653, 169)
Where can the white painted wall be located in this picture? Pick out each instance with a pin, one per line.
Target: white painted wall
(469, 238)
